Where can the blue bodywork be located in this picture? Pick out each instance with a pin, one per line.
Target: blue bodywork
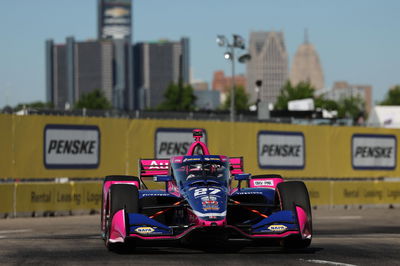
(203, 183)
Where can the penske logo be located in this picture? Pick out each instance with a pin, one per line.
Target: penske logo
(144, 230)
(277, 228)
(71, 146)
(281, 150)
(374, 151)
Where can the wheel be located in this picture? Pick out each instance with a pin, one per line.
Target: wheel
(121, 196)
(122, 178)
(292, 194)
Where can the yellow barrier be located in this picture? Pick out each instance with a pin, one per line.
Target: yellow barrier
(6, 198)
(86, 196)
(319, 192)
(32, 197)
(43, 147)
(366, 193)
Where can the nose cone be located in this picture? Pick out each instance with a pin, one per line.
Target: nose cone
(209, 203)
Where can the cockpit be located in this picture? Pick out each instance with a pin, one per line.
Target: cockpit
(201, 167)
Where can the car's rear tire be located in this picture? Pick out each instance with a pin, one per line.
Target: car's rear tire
(292, 194)
(121, 196)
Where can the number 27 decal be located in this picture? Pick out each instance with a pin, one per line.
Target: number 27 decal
(203, 191)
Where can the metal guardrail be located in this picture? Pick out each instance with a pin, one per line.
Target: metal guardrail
(244, 116)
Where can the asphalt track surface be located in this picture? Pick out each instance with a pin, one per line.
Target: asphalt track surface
(341, 237)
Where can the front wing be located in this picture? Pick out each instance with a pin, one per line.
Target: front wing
(278, 225)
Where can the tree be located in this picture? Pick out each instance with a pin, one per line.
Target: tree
(392, 97)
(34, 105)
(288, 93)
(330, 105)
(241, 100)
(352, 107)
(178, 97)
(93, 100)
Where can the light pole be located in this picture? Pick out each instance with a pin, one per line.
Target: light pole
(238, 42)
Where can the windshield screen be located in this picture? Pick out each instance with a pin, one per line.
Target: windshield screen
(199, 167)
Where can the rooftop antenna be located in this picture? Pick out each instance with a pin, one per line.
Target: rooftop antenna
(306, 36)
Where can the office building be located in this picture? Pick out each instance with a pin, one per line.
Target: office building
(223, 83)
(114, 19)
(342, 90)
(157, 65)
(269, 63)
(115, 23)
(207, 100)
(306, 66)
(77, 68)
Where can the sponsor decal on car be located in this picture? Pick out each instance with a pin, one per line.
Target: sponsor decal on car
(203, 191)
(281, 150)
(262, 183)
(277, 228)
(374, 152)
(209, 204)
(71, 146)
(158, 165)
(174, 141)
(248, 193)
(144, 230)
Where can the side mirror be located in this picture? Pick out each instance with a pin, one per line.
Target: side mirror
(241, 177)
(162, 178)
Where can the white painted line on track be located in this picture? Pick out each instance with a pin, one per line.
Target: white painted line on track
(328, 262)
(339, 218)
(15, 231)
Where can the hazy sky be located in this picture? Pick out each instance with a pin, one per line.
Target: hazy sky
(357, 40)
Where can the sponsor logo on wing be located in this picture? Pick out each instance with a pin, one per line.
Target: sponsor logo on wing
(261, 183)
(277, 228)
(216, 214)
(144, 230)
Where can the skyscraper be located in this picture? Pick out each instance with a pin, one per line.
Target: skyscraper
(306, 66)
(157, 65)
(115, 23)
(269, 63)
(75, 68)
(114, 19)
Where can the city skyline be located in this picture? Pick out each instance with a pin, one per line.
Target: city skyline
(352, 46)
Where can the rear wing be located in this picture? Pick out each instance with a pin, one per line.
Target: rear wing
(153, 167)
(236, 165)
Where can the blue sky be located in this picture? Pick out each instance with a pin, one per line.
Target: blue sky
(357, 40)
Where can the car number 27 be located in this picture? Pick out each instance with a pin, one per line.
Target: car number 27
(203, 191)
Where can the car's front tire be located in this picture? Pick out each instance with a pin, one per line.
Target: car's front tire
(292, 194)
(121, 196)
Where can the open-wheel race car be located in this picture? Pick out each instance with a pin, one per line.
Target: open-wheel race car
(200, 203)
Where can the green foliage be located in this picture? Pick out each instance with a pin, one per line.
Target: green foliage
(178, 97)
(34, 105)
(330, 105)
(392, 97)
(241, 100)
(288, 93)
(93, 100)
(351, 107)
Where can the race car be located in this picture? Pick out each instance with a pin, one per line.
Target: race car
(199, 202)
